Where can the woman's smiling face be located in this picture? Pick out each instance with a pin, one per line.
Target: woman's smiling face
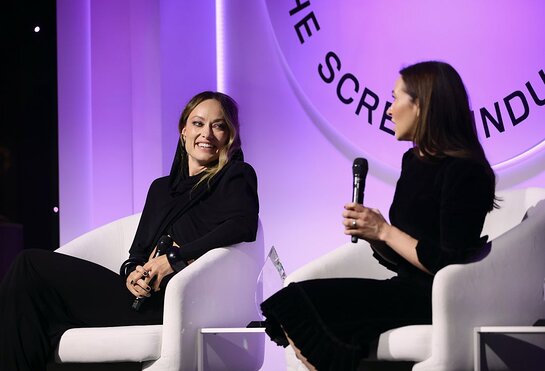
(204, 134)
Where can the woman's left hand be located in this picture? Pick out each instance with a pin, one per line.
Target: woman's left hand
(159, 268)
(363, 222)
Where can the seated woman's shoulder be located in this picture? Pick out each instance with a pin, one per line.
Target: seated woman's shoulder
(468, 168)
(467, 164)
(241, 168)
(159, 183)
(161, 180)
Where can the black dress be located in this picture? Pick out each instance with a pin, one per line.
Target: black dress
(45, 293)
(443, 205)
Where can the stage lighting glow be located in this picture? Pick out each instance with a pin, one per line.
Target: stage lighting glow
(220, 46)
(37, 29)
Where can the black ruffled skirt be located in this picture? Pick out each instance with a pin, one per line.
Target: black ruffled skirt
(334, 321)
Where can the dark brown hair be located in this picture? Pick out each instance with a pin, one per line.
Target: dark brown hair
(445, 125)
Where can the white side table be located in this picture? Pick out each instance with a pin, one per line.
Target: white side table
(219, 330)
(477, 331)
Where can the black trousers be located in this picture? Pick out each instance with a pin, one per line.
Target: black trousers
(45, 293)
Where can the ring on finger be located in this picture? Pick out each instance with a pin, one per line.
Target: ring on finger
(353, 223)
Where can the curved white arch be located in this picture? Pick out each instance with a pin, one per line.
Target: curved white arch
(510, 172)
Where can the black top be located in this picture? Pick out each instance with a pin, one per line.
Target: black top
(219, 212)
(443, 205)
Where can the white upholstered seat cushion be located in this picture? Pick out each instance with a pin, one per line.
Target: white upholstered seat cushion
(102, 344)
(409, 343)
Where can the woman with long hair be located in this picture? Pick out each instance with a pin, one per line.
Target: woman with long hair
(444, 192)
(208, 200)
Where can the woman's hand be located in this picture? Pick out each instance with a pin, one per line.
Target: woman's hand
(159, 268)
(364, 223)
(370, 225)
(138, 282)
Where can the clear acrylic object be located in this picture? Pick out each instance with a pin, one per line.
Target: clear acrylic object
(271, 278)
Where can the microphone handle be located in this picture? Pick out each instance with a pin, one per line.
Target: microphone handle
(137, 303)
(357, 197)
(162, 245)
(356, 189)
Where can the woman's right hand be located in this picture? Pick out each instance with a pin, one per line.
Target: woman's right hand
(138, 282)
(363, 222)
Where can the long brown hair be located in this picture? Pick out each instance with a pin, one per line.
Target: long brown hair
(445, 125)
(229, 110)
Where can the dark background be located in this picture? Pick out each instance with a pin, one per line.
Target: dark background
(28, 127)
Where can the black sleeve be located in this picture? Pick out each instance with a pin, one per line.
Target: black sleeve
(389, 264)
(145, 233)
(383, 249)
(465, 199)
(236, 201)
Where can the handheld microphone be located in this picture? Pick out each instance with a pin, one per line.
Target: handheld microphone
(162, 245)
(359, 172)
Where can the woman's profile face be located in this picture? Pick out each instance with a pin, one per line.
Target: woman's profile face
(403, 112)
(205, 133)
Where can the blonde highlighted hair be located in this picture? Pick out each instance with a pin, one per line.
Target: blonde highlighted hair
(229, 110)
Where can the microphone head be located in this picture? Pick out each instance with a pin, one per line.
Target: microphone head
(360, 167)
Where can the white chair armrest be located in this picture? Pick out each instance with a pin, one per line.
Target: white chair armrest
(195, 298)
(107, 245)
(504, 288)
(513, 206)
(349, 260)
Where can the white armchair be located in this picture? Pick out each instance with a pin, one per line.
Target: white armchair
(217, 290)
(503, 288)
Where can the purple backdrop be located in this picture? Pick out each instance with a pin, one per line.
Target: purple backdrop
(126, 68)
